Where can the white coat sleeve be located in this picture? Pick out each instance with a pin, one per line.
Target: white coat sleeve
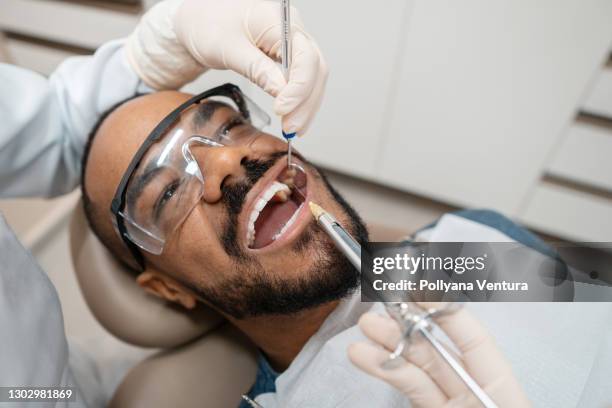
(45, 122)
(34, 350)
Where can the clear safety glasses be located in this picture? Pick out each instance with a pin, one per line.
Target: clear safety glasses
(164, 182)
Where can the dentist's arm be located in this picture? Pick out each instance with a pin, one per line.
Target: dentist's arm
(425, 378)
(45, 122)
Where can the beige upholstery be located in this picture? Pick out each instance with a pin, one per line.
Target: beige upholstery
(211, 372)
(120, 305)
(206, 362)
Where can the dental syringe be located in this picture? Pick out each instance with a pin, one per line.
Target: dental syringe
(423, 324)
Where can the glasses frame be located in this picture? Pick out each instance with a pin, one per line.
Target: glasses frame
(228, 90)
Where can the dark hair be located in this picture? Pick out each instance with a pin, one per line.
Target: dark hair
(88, 207)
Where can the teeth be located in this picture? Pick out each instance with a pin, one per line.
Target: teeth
(278, 190)
(289, 177)
(259, 205)
(281, 196)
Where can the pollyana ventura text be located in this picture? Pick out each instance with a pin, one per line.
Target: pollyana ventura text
(473, 272)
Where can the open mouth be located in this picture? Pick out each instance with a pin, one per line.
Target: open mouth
(276, 208)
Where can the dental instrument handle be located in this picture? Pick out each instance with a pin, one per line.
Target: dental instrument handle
(289, 148)
(341, 239)
(286, 59)
(285, 37)
(482, 396)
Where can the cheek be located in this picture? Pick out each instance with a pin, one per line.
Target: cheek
(199, 235)
(265, 145)
(195, 249)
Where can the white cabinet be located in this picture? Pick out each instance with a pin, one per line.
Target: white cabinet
(361, 42)
(485, 92)
(585, 156)
(463, 102)
(36, 57)
(569, 213)
(66, 22)
(599, 100)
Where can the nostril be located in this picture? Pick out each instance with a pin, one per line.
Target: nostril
(243, 161)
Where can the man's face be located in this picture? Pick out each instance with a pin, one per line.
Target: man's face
(224, 253)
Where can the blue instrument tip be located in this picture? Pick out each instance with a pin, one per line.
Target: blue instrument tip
(288, 135)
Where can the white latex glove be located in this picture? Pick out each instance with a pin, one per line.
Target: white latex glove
(424, 377)
(178, 39)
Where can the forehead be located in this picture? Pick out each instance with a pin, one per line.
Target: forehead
(204, 119)
(126, 128)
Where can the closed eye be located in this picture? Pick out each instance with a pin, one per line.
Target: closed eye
(224, 131)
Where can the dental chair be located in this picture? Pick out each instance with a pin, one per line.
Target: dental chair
(203, 361)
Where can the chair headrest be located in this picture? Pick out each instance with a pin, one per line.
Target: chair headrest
(120, 305)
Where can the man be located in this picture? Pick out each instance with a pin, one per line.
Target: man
(277, 289)
(204, 209)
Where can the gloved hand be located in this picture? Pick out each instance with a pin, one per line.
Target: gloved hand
(424, 377)
(178, 39)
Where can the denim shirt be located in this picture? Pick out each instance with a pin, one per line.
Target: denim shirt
(264, 381)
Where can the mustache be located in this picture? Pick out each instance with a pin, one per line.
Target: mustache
(234, 196)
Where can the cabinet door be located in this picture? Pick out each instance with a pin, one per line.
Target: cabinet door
(36, 57)
(360, 41)
(486, 89)
(82, 25)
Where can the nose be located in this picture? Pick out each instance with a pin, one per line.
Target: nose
(219, 165)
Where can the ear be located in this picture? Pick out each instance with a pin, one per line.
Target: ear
(167, 288)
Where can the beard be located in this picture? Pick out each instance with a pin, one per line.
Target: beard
(252, 291)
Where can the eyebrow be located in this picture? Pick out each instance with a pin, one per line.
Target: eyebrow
(148, 175)
(205, 111)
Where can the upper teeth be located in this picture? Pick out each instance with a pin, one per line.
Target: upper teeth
(275, 188)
